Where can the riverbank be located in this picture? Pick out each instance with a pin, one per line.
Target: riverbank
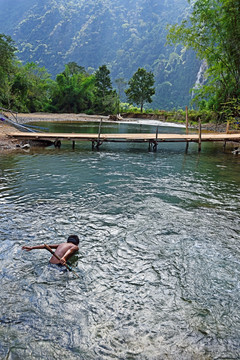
(158, 120)
(127, 117)
(6, 143)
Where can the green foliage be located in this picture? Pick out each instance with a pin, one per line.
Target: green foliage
(23, 87)
(72, 91)
(106, 32)
(141, 88)
(125, 35)
(231, 110)
(179, 116)
(7, 56)
(106, 99)
(103, 82)
(213, 31)
(30, 88)
(74, 68)
(7, 53)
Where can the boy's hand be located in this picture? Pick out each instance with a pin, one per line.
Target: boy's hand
(27, 248)
(63, 261)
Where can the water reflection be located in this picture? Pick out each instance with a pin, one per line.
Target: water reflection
(159, 256)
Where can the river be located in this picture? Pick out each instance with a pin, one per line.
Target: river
(159, 258)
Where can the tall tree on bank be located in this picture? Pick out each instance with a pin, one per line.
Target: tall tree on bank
(105, 96)
(213, 31)
(140, 88)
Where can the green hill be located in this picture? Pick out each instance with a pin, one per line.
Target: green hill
(123, 34)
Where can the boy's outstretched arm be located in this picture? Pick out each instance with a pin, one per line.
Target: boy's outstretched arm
(29, 248)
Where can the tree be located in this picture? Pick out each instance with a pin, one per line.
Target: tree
(7, 57)
(7, 53)
(74, 68)
(73, 90)
(105, 96)
(103, 81)
(213, 31)
(140, 88)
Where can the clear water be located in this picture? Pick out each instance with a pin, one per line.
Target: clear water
(159, 259)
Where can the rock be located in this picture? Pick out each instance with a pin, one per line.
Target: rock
(25, 146)
(236, 151)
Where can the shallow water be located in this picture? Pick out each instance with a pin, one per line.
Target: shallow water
(159, 258)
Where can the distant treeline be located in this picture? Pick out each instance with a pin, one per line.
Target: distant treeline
(30, 88)
(212, 30)
(123, 34)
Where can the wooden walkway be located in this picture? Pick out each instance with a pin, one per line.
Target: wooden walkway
(151, 139)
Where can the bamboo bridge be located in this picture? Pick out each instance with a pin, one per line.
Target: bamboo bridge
(151, 139)
(26, 134)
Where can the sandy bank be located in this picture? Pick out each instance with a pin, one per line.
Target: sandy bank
(6, 143)
(38, 117)
(25, 118)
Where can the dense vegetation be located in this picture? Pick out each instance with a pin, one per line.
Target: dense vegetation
(213, 31)
(123, 34)
(29, 88)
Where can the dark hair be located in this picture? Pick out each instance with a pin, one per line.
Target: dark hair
(73, 239)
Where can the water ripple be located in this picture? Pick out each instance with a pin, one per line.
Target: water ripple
(159, 261)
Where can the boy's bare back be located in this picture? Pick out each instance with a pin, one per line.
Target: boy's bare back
(65, 250)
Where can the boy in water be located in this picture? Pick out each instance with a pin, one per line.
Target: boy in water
(64, 250)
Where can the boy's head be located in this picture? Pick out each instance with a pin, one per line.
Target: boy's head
(74, 239)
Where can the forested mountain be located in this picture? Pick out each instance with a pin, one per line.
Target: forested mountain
(123, 34)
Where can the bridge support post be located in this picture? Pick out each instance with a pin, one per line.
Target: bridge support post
(199, 135)
(99, 143)
(57, 143)
(186, 120)
(228, 127)
(155, 145)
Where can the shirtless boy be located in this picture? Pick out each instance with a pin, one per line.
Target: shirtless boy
(64, 250)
